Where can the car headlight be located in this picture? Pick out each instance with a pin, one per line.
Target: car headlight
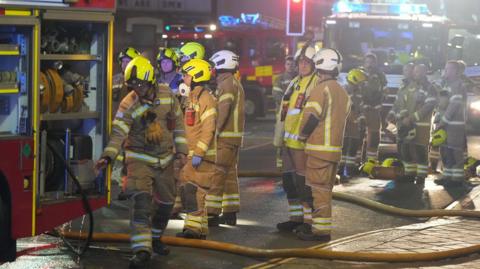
(475, 106)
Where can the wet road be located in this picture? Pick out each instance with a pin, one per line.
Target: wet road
(263, 206)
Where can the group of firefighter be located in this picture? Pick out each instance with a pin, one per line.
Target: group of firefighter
(179, 125)
(177, 130)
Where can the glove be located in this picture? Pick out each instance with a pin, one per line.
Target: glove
(196, 161)
(154, 133)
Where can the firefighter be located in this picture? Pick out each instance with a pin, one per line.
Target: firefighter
(167, 63)
(200, 119)
(150, 122)
(451, 119)
(355, 126)
(293, 103)
(282, 81)
(322, 127)
(372, 105)
(224, 194)
(119, 91)
(415, 104)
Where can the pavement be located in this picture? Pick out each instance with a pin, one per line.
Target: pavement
(436, 234)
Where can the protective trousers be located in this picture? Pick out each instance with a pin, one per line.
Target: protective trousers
(414, 158)
(294, 184)
(223, 192)
(193, 193)
(453, 153)
(373, 123)
(153, 194)
(320, 178)
(349, 154)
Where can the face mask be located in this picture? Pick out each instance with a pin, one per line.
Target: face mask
(184, 89)
(166, 65)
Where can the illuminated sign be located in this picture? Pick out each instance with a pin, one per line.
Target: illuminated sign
(380, 8)
(230, 21)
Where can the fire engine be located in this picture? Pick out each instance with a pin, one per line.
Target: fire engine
(260, 42)
(55, 76)
(397, 32)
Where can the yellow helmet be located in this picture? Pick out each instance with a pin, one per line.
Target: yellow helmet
(200, 70)
(128, 52)
(192, 50)
(439, 137)
(139, 71)
(356, 76)
(167, 53)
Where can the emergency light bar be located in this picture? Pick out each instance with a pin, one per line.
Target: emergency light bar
(45, 3)
(380, 8)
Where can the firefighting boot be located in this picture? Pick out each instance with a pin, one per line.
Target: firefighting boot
(304, 232)
(213, 220)
(288, 226)
(139, 260)
(191, 235)
(229, 218)
(160, 248)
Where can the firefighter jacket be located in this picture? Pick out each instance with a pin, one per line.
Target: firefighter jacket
(451, 104)
(174, 83)
(200, 123)
(323, 121)
(280, 85)
(133, 119)
(356, 116)
(417, 101)
(395, 111)
(372, 93)
(296, 97)
(231, 110)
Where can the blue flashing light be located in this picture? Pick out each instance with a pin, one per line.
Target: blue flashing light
(245, 18)
(401, 8)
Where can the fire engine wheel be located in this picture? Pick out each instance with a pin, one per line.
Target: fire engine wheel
(7, 244)
(251, 108)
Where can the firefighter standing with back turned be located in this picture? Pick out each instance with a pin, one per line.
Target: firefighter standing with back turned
(224, 194)
(294, 158)
(450, 126)
(322, 127)
(372, 105)
(149, 119)
(200, 118)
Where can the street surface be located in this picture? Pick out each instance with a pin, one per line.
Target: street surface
(263, 206)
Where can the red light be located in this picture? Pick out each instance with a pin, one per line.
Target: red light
(295, 21)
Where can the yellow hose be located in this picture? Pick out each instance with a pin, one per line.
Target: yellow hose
(316, 253)
(289, 252)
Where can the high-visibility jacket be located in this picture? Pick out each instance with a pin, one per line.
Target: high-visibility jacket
(327, 109)
(131, 122)
(299, 86)
(417, 102)
(451, 112)
(201, 135)
(231, 110)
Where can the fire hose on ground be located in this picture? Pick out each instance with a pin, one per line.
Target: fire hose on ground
(315, 253)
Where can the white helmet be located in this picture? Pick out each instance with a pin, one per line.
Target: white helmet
(225, 59)
(308, 52)
(328, 60)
